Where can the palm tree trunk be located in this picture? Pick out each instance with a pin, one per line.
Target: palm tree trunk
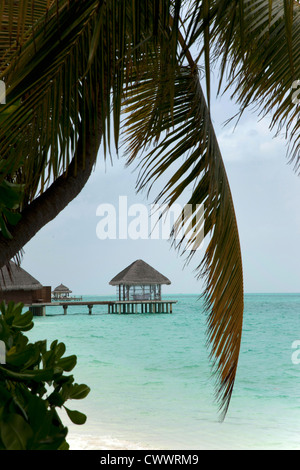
(49, 204)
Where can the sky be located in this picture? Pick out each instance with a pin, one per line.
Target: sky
(266, 194)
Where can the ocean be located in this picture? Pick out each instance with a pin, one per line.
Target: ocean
(151, 384)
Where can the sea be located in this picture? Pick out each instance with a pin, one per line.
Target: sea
(151, 380)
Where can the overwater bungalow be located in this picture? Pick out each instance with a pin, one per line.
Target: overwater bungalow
(140, 284)
(62, 292)
(139, 281)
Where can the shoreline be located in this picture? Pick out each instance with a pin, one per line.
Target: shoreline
(91, 442)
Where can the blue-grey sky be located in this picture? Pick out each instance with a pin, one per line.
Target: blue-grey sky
(266, 194)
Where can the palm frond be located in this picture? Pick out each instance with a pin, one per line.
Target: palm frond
(185, 146)
(37, 81)
(257, 43)
(16, 19)
(71, 63)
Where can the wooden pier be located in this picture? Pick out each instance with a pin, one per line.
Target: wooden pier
(113, 306)
(146, 306)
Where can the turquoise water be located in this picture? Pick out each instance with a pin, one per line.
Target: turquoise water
(150, 377)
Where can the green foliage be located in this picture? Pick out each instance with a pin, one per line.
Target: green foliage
(10, 198)
(33, 384)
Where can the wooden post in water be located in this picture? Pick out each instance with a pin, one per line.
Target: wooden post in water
(65, 309)
(38, 311)
(90, 309)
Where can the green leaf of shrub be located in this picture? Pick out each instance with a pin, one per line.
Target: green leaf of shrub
(23, 358)
(36, 375)
(23, 322)
(75, 416)
(79, 391)
(67, 363)
(15, 432)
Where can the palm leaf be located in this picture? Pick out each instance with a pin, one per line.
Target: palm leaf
(77, 50)
(16, 19)
(257, 43)
(34, 80)
(185, 146)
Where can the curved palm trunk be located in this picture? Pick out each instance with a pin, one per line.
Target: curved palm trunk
(49, 204)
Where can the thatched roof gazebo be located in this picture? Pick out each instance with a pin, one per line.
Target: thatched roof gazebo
(139, 281)
(18, 285)
(61, 292)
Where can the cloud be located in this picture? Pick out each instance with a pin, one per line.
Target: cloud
(251, 141)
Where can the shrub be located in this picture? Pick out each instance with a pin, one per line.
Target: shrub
(33, 386)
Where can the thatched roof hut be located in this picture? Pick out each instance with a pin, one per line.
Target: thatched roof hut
(18, 285)
(139, 281)
(16, 278)
(61, 292)
(61, 289)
